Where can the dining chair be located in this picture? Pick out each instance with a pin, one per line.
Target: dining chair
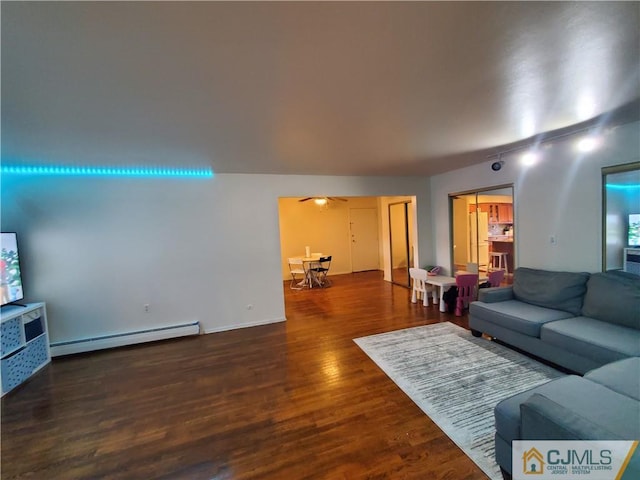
(495, 278)
(467, 284)
(319, 271)
(420, 287)
(298, 274)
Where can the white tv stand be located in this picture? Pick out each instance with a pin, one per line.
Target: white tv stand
(631, 260)
(24, 340)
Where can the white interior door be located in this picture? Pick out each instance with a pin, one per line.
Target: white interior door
(363, 224)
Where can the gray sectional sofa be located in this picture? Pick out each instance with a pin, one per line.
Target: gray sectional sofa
(602, 405)
(579, 321)
(586, 323)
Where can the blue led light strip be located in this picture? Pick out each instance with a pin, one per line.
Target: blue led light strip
(623, 187)
(105, 171)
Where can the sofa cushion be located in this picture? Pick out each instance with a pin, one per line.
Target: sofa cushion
(545, 288)
(601, 341)
(622, 376)
(613, 298)
(495, 294)
(544, 419)
(601, 405)
(522, 317)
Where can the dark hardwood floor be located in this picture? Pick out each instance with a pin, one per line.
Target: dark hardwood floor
(292, 400)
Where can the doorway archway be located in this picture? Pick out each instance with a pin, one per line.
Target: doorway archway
(483, 230)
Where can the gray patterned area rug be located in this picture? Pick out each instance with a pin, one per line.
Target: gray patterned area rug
(457, 380)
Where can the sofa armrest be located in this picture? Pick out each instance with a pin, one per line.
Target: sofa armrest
(496, 294)
(544, 419)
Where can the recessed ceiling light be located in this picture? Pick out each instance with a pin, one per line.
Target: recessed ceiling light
(588, 144)
(529, 158)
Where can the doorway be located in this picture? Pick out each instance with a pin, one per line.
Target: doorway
(621, 218)
(331, 229)
(400, 241)
(483, 231)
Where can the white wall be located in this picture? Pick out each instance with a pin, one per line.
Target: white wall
(98, 249)
(561, 195)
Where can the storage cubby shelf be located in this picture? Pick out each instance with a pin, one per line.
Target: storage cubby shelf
(24, 344)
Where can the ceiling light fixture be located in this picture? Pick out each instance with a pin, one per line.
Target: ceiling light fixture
(588, 144)
(593, 139)
(529, 158)
(320, 201)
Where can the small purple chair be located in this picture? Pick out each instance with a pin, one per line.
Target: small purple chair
(495, 278)
(467, 284)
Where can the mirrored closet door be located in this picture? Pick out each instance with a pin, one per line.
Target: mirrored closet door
(400, 239)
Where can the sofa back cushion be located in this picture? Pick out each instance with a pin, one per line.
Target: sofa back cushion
(614, 298)
(559, 290)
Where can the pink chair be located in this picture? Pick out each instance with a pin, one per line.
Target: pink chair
(495, 278)
(467, 284)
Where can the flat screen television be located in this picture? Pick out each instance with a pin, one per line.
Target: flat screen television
(634, 230)
(10, 275)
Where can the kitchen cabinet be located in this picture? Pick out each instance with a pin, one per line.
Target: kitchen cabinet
(497, 212)
(505, 213)
(482, 207)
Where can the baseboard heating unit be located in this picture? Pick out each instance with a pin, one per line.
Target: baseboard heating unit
(122, 339)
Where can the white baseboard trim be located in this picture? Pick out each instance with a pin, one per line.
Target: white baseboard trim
(122, 339)
(244, 325)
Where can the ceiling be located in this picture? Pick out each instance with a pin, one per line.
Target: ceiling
(336, 88)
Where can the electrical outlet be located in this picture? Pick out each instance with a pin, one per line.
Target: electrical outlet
(146, 307)
(553, 240)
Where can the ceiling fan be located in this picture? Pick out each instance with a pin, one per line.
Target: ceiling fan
(322, 200)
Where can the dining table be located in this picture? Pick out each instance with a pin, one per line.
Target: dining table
(308, 264)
